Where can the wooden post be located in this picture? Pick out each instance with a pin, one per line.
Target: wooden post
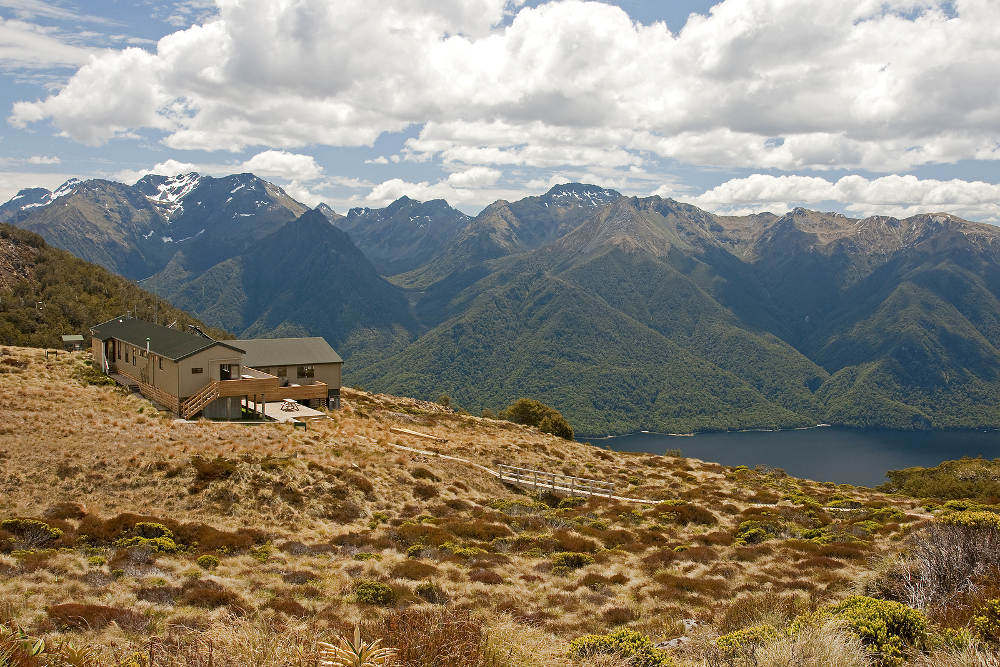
(536, 482)
(572, 486)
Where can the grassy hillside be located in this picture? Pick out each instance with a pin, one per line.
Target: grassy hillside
(123, 530)
(73, 294)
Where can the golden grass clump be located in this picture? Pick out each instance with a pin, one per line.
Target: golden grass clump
(309, 534)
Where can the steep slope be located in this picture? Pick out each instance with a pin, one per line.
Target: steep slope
(531, 333)
(807, 317)
(306, 278)
(405, 234)
(24, 200)
(903, 313)
(46, 292)
(136, 230)
(629, 269)
(103, 222)
(505, 228)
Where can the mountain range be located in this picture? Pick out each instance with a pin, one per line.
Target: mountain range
(625, 313)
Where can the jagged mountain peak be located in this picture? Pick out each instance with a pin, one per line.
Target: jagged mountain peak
(167, 193)
(328, 211)
(581, 193)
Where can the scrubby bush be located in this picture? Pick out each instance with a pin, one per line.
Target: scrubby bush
(987, 621)
(413, 569)
(430, 591)
(627, 644)
(153, 536)
(207, 562)
(571, 560)
(94, 617)
(535, 413)
(890, 630)
(948, 556)
(756, 531)
(368, 591)
(745, 640)
(31, 532)
(210, 595)
(485, 576)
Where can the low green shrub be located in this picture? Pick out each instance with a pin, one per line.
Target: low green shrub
(571, 560)
(987, 621)
(207, 562)
(755, 531)
(571, 501)
(368, 591)
(970, 519)
(891, 630)
(32, 532)
(741, 641)
(630, 645)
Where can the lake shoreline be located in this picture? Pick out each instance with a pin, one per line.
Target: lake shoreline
(860, 429)
(838, 454)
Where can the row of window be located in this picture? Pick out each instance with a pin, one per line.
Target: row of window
(135, 353)
(282, 371)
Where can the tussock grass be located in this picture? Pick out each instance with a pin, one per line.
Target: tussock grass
(296, 519)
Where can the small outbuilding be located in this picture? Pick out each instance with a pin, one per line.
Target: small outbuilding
(72, 342)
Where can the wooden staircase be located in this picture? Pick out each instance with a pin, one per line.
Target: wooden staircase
(196, 403)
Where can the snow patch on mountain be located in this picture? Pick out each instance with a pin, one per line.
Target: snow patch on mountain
(170, 194)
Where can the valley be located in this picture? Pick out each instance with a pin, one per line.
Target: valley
(625, 313)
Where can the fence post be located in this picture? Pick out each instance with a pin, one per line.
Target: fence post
(536, 482)
(572, 486)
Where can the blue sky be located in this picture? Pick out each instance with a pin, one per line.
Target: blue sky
(871, 107)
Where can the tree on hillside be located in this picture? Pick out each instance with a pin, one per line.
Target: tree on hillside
(535, 413)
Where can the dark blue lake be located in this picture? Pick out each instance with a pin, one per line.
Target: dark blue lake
(825, 454)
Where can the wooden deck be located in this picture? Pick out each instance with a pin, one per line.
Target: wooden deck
(257, 386)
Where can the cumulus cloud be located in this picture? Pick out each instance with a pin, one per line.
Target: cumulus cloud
(894, 195)
(882, 85)
(470, 199)
(284, 165)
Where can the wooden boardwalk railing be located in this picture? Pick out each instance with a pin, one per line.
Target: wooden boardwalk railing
(491, 471)
(540, 480)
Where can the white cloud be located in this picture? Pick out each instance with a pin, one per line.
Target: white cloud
(468, 199)
(44, 159)
(29, 46)
(284, 165)
(474, 177)
(47, 10)
(894, 195)
(881, 85)
(12, 181)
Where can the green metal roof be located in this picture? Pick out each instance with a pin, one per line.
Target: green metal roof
(72, 338)
(263, 352)
(164, 341)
